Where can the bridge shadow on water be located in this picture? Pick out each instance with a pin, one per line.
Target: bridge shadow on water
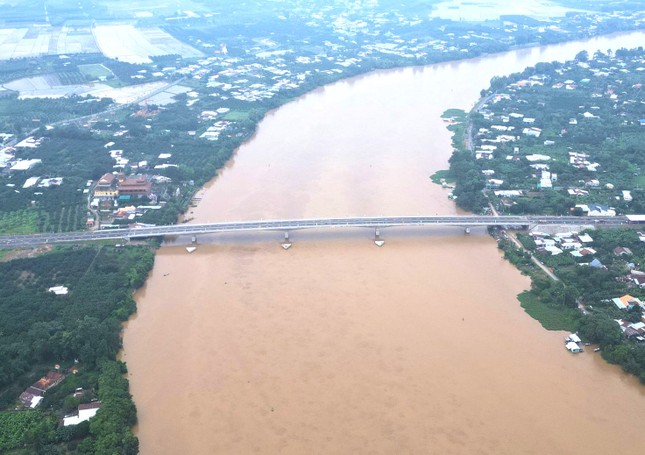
(360, 234)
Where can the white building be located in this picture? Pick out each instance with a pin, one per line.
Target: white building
(58, 290)
(573, 347)
(85, 412)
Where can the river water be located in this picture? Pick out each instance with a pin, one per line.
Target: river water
(337, 346)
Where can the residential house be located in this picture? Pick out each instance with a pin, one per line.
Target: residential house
(532, 131)
(622, 251)
(638, 278)
(84, 413)
(596, 210)
(627, 301)
(34, 394)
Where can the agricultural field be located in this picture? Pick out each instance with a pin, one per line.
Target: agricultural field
(18, 428)
(130, 44)
(45, 40)
(123, 42)
(19, 222)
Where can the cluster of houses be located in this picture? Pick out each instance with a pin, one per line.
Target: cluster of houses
(580, 160)
(214, 131)
(604, 78)
(112, 190)
(121, 162)
(24, 165)
(573, 343)
(632, 330)
(578, 245)
(8, 155)
(114, 194)
(596, 210)
(34, 394)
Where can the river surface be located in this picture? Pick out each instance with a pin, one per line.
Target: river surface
(336, 346)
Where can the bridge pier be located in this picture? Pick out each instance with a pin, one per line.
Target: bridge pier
(286, 243)
(377, 238)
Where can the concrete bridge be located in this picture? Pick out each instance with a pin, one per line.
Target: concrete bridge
(376, 223)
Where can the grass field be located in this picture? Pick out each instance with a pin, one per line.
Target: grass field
(236, 116)
(550, 316)
(95, 71)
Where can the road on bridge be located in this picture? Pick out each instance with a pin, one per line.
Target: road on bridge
(19, 241)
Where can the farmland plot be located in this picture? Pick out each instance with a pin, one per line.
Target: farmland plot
(36, 41)
(136, 45)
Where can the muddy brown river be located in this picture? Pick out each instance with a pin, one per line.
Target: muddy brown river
(339, 347)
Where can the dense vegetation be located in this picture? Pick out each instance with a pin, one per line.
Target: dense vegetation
(81, 329)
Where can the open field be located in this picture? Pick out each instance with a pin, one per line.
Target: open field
(49, 86)
(168, 96)
(236, 116)
(131, 93)
(136, 45)
(95, 71)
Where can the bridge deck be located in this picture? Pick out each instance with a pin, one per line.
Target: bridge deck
(16, 241)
